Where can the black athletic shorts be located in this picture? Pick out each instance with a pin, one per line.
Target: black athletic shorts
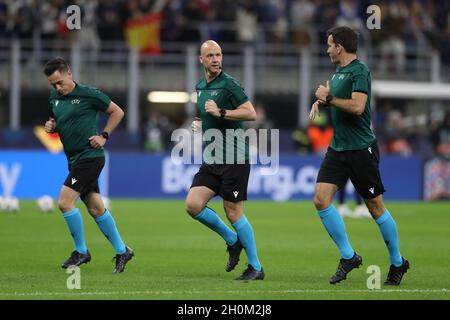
(360, 166)
(83, 175)
(230, 181)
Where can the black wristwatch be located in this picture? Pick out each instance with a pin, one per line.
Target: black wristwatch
(328, 99)
(223, 112)
(105, 135)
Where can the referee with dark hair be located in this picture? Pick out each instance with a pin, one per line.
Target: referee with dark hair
(353, 154)
(74, 112)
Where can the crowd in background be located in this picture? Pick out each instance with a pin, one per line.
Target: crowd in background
(397, 133)
(405, 24)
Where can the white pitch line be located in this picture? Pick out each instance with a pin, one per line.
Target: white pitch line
(133, 293)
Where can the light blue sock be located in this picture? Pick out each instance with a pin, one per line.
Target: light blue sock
(389, 231)
(245, 233)
(210, 219)
(75, 223)
(107, 225)
(335, 226)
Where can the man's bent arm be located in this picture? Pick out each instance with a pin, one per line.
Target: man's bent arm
(245, 112)
(355, 105)
(115, 115)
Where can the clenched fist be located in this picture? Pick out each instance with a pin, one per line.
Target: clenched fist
(50, 125)
(196, 125)
(97, 142)
(212, 108)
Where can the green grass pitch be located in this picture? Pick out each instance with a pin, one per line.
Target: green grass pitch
(178, 258)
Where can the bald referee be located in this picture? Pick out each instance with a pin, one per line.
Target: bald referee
(223, 105)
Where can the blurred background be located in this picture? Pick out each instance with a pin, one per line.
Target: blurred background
(144, 55)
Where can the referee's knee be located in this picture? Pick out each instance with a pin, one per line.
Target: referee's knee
(321, 202)
(65, 206)
(192, 209)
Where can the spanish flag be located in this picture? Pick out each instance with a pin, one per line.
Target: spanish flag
(50, 140)
(143, 33)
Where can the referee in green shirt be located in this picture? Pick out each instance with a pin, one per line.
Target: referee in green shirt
(223, 105)
(353, 154)
(74, 112)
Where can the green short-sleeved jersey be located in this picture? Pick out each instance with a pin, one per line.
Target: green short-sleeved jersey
(228, 94)
(76, 116)
(351, 132)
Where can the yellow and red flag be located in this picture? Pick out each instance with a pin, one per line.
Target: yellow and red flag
(143, 33)
(50, 140)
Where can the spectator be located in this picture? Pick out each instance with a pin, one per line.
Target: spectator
(246, 23)
(89, 38)
(157, 132)
(396, 134)
(301, 21)
(269, 16)
(325, 17)
(227, 17)
(134, 9)
(348, 15)
(392, 46)
(301, 139)
(421, 18)
(320, 133)
(109, 20)
(154, 137)
(4, 19)
(440, 137)
(171, 26)
(50, 12)
(445, 39)
(210, 28)
(192, 16)
(25, 19)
